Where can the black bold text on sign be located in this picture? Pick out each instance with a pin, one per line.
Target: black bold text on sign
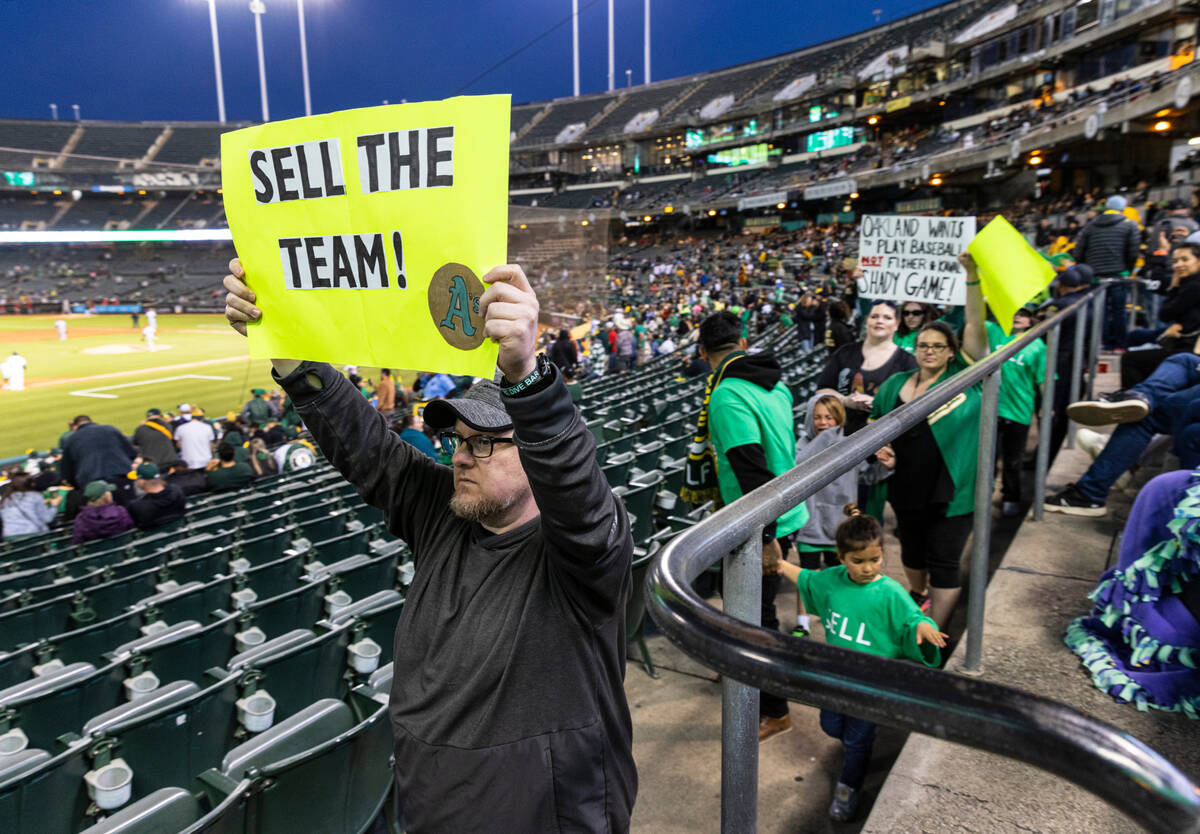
(305, 171)
(323, 262)
(406, 159)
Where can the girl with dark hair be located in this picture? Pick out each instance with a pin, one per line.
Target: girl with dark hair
(913, 316)
(865, 611)
(857, 370)
(23, 511)
(1181, 307)
(932, 489)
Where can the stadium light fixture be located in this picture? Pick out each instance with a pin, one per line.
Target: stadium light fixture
(1162, 126)
(583, 222)
(853, 195)
(1035, 160)
(712, 212)
(668, 209)
(611, 73)
(781, 206)
(212, 22)
(647, 219)
(257, 8)
(647, 44)
(936, 181)
(575, 44)
(304, 59)
(874, 120)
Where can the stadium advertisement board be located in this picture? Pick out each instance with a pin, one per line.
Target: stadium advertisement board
(365, 233)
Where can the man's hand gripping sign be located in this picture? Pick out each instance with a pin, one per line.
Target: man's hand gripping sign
(364, 233)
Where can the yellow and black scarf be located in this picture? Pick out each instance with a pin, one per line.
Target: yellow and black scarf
(700, 473)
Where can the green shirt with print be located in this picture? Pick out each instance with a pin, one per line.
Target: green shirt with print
(741, 412)
(1021, 377)
(955, 428)
(877, 617)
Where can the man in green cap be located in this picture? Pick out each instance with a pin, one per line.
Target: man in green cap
(154, 439)
(257, 409)
(160, 502)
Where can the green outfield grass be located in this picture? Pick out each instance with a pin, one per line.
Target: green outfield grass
(198, 360)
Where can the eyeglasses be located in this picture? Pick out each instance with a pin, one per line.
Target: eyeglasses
(479, 445)
(932, 348)
(914, 312)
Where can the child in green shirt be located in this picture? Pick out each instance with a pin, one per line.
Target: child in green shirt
(866, 611)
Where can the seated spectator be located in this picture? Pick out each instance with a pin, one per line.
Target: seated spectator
(1160, 405)
(23, 510)
(409, 427)
(1181, 307)
(261, 460)
(229, 473)
(190, 481)
(1146, 619)
(100, 517)
(154, 439)
(160, 503)
(195, 438)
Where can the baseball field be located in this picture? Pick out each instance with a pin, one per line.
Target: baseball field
(106, 370)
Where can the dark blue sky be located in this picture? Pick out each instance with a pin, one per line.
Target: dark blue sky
(152, 59)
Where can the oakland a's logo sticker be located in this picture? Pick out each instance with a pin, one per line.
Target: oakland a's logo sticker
(454, 305)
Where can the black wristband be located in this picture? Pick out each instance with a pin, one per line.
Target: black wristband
(539, 378)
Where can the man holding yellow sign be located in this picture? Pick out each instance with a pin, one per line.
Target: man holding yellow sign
(507, 704)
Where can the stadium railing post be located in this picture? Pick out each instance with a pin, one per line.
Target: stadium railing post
(1076, 364)
(742, 595)
(1044, 425)
(1094, 346)
(981, 536)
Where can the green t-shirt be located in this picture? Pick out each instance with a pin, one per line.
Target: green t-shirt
(1021, 376)
(907, 342)
(877, 618)
(741, 412)
(955, 427)
(259, 410)
(232, 477)
(786, 320)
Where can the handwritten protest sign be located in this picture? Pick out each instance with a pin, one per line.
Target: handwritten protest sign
(365, 233)
(1010, 270)
(914, 258)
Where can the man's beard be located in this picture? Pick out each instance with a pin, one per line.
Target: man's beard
(481, 509)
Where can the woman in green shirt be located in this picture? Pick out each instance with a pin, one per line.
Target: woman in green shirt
(932, 488)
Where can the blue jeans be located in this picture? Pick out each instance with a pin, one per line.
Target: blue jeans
(1171, 389)
(1115, 325)
(857, 736)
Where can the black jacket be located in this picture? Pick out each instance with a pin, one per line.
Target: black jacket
(154, 509)
(1109, 245)
(508, 707)
(96, 452)
(154, 445)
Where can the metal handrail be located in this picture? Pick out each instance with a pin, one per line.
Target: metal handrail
(999, 719)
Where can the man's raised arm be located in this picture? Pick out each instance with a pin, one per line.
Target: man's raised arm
(387, 472)
(584, 525)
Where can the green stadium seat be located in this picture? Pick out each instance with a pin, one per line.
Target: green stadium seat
(167, 809)
(616, 470)
(635, 609)
(341, 784)
(290, 610)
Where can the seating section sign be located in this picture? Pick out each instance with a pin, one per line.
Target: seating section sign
(365, 233)
(914, 258)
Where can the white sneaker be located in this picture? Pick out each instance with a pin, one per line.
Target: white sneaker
(1092, 442)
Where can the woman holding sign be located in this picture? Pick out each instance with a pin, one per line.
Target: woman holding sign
(857, 370)
(932, 488)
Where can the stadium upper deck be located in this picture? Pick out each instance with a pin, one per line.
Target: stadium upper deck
(973, 89)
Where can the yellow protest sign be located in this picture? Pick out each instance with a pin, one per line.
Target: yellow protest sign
(1010, 270)
(365, 233)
